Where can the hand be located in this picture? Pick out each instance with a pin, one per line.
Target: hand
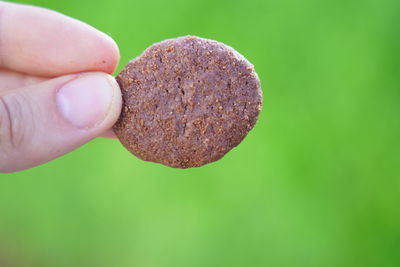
(56, 91)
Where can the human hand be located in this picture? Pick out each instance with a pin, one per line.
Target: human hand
(56, 91)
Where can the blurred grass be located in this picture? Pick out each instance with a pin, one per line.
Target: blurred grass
(316, 183)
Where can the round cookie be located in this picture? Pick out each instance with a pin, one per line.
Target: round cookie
(187, 102)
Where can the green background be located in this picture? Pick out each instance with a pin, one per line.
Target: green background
(316, 183)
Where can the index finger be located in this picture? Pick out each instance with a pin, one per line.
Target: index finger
(42, 42)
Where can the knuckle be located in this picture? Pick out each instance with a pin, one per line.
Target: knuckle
(13, 127)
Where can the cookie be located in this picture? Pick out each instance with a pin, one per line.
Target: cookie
(187, 102)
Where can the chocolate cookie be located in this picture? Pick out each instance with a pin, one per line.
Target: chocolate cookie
(187, 102)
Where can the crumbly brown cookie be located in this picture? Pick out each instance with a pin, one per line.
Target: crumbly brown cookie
(187, 102)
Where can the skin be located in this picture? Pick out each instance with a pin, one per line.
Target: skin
(40, 51)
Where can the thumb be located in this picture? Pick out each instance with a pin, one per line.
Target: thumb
(44, 121)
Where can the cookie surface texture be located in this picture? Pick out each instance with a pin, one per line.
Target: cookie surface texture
(187, 102)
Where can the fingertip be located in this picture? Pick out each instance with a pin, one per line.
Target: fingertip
(111, 54)
(42, 42)
(116, 105)
(91, 100)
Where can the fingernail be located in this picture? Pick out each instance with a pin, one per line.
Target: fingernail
(86, 100)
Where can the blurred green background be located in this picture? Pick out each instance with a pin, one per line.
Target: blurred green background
(316, 183)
